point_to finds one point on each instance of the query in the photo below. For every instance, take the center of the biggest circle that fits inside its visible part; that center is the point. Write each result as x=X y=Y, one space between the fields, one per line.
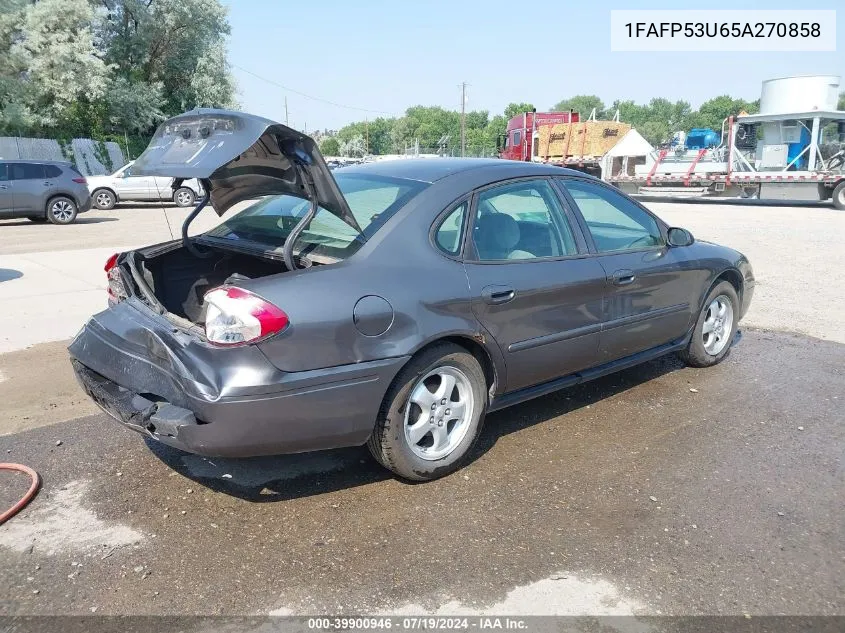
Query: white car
x=122 y=186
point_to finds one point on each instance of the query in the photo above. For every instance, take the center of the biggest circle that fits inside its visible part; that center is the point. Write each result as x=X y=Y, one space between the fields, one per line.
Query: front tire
x=104 y=199
x=184 y=197
x=61 y=210
x=431 y=415
x=715 y=328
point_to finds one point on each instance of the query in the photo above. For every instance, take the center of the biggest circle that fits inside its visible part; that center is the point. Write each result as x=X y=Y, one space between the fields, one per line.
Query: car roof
x=433 y=169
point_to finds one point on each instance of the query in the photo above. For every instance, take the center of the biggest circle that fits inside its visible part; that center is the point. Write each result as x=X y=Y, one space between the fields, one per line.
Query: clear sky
x=387 y=56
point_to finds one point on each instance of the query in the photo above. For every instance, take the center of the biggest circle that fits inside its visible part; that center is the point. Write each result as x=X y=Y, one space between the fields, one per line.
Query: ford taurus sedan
x=392 y=304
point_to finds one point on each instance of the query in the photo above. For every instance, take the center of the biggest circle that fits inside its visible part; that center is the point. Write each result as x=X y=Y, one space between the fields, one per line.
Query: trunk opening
x=176 y=281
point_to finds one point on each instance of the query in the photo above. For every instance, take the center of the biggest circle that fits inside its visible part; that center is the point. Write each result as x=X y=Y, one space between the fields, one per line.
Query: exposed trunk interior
x=179 y=280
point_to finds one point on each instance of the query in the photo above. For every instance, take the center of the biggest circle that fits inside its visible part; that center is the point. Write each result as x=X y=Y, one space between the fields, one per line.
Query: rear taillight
x=117 y=291
x=235 y=316
x=80 y=181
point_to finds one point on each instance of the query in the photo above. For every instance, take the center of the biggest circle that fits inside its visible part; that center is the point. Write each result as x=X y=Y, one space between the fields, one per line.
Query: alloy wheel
x=439 y=412
x=62 y=210
x=184 y=198
x=104 y=200
x=718 y=325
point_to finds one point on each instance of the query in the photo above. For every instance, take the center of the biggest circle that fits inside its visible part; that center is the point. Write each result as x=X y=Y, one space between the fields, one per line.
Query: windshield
x=267 y=222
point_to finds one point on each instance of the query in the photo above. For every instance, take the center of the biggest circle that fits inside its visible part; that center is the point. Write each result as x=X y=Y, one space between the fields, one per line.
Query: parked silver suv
x=42 y=191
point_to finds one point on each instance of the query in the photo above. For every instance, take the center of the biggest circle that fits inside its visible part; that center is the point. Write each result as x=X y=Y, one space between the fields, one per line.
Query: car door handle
x=623 y=277
x=497 y=294
x=4 y=186
x=47 y=184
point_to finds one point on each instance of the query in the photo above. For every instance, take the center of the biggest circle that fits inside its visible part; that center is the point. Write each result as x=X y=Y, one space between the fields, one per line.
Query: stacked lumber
x=582 y=139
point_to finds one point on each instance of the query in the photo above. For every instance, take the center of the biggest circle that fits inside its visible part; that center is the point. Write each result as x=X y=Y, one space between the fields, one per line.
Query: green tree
x=840 y=105
x=330 y=146
x=517 y=108
x=714 y=111
x=176 y=44
x=54 y=49
x=582 y=104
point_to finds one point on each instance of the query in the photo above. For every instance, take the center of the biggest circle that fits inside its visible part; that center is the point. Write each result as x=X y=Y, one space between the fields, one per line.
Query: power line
x=307 y=96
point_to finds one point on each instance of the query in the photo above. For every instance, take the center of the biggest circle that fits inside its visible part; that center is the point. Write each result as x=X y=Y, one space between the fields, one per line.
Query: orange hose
x=20 y=505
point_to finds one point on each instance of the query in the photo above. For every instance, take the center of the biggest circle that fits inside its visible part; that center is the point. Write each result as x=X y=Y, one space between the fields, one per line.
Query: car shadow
x=78 y=220
x=527 y=414
x=7 y=274
x=285 y=477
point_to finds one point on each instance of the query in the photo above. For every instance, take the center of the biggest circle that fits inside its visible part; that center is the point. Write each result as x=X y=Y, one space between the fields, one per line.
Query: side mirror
x=680 y=237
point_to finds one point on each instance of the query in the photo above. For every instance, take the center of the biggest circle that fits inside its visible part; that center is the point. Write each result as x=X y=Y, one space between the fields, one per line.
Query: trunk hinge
x=186 y=241
x=308 y=183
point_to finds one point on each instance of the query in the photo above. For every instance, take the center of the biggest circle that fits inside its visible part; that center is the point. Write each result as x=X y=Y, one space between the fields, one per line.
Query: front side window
x=4 y=171
x=267 y=222
x=615 y=223
x=521 y=220
x=449 y=235
x=27 y=171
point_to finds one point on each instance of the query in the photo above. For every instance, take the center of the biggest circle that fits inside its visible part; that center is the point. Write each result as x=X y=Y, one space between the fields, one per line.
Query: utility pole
x=286 y=111
x=463 y=118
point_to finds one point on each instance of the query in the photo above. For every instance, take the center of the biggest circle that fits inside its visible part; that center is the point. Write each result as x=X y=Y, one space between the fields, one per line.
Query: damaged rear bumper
x=171 y=387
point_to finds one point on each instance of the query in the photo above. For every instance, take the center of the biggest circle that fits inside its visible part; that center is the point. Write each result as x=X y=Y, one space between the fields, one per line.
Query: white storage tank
x=799 y=94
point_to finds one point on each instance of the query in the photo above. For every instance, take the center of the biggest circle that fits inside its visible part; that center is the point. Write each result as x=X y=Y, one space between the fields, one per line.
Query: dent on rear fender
x=145 y=353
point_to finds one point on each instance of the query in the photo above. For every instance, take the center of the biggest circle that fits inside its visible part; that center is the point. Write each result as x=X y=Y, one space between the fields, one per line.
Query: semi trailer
x=793 y=149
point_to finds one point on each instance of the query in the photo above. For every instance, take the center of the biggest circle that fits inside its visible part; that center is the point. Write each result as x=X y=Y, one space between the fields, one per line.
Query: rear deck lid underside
x=242 y=157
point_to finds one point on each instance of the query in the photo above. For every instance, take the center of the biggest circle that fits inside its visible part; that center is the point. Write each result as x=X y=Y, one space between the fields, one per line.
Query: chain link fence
x=92 y=158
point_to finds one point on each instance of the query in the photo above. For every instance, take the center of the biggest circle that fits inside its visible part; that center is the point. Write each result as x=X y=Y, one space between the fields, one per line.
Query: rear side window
x=51 y=171
x=450 y=233
x=27 y=171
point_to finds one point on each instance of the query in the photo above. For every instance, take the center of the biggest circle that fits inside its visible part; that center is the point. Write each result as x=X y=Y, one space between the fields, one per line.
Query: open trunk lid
x=241 y=156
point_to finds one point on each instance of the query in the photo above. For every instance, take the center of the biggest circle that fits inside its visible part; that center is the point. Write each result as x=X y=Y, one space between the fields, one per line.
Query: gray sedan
x=392 y=304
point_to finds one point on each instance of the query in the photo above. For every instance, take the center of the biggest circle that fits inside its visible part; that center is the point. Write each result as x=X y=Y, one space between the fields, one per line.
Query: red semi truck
x=559 y=138
x=518 y=142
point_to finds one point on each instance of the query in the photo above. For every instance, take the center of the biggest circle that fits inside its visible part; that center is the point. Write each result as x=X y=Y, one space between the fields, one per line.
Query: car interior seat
x=496 y=237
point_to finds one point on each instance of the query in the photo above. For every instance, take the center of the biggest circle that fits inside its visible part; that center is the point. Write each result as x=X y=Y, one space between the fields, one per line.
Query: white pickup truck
x=122 y=186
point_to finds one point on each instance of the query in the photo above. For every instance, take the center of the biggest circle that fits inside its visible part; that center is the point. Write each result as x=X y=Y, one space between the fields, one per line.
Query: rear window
x=266 y=222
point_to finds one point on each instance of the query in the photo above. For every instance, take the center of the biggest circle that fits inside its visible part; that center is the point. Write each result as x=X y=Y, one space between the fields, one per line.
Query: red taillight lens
x=111 y=262
x=80 y=181
x=235 y=316
x=117 y=291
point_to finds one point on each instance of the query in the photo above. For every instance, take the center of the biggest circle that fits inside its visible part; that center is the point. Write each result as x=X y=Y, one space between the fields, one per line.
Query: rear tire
x=419 y=434
x=61 y=210
x=184 y=197
x=38 y=219
x=104 y=199
x=839 y=196
x=714 y=329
